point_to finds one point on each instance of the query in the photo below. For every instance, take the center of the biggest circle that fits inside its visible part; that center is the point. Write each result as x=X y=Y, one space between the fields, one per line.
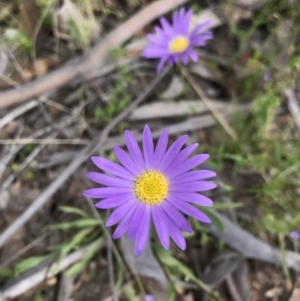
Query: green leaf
x=228 y=205
x=29 y=263
x=38 y=297
x=79 y=266
x=130 y=293
x=74 y=210
x=171 y=292
x=80 y=223
x=120 y=276
x=166 y=258
x=78 y=239
x=215 y=220
x=6 y=273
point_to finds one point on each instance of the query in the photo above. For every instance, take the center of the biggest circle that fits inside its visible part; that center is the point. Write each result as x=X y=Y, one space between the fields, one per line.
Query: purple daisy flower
x=154 y=186
x=176 y=42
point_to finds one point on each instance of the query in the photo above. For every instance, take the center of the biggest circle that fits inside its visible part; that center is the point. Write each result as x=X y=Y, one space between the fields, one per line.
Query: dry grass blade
x=209 y=104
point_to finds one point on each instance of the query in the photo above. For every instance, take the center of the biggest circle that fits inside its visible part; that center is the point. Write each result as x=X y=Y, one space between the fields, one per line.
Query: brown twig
x=76 y=163
x=93 y=59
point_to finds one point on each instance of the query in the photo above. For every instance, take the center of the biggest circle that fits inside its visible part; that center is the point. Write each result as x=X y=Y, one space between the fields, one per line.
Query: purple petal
x=161 y=64
x=126 y=161
x=120 y=212
x=154 y=52
x=125 y=222
x=159 y=219
x=187 y=21
x=181 y=15
x=166 y=26
x=192 y=176
x=161 y=147
x=171 y=60
x=177 y=217
x=113 y=202
x=181 y=157
x=134 y=151
x=176 y=57
x=172 y=153
x=192 y=187
x=99 y=193
x=175 y=20
x=148 y=147
x=193 y=55
x=176 y=234
x=200 y=28
x=142 y=235
x=112 y=168
x=184 y=58
x=201 y=40
x=156 y=39
x=189 y=164
x=103 y=179
x=195 y=198
x=137 y=218
x=189 y=210
x=159 y=31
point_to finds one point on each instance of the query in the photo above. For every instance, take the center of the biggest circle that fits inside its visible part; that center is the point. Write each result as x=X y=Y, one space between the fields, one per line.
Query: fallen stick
x=94 y=58
x=90 y=149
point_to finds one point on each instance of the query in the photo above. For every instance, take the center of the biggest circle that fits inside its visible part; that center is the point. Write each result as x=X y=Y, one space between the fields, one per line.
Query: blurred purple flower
x=149 y=298
x=267 y=77
x=176 y=42
x=155 y=185
x=295 y=235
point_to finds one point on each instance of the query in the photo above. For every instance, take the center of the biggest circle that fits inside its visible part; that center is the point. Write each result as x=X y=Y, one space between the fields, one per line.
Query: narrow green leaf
x=74 y=210
x=79 y=266
x=29 y=263
x=168 y=260
x=80 y=223
x=6 y=273
x=215 y=220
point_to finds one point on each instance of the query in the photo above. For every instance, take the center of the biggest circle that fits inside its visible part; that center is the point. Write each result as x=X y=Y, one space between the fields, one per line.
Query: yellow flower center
x=179 y=45
x=151 y=187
